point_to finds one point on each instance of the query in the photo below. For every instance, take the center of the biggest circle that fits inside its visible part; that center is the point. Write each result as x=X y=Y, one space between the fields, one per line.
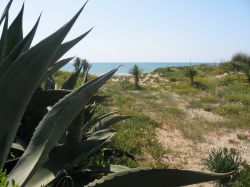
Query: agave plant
x=43 y=131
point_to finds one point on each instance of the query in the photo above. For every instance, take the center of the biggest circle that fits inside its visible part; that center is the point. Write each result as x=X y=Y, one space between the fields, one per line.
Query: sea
x=104 y=67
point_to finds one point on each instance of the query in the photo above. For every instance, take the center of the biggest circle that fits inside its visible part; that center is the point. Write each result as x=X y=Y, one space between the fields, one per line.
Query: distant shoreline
x=147 y=67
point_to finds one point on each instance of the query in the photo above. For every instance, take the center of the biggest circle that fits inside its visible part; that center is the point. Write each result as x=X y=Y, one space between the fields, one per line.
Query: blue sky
x=146 y=30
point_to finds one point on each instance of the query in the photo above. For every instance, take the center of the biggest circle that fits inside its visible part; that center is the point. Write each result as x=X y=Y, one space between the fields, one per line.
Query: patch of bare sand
x=196 y=113
x=185 y=154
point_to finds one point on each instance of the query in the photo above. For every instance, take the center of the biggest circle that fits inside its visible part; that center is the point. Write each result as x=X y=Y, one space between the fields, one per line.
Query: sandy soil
x=184 y=153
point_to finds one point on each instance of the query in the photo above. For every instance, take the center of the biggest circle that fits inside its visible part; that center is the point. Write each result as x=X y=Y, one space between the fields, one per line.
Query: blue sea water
x=101 y=68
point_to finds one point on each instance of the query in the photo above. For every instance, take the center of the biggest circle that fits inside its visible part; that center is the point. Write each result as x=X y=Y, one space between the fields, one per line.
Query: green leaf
x=41 y=100
x=5 y=12
x=62 y=158
x=97 y=119
x=58 y=65
x=155 y=178
x=102 y=134
x=49 y=84
x=15 y=32
x=3 y=40
x=70 y=83
x=33 y=64
x=106 y=123
x=18 y=50
x=68 y=45
x=47 y=134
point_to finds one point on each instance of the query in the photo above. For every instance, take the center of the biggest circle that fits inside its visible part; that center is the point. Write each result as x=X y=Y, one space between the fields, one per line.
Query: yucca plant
x=136 y=72
x=46 y=132
x=191 y=73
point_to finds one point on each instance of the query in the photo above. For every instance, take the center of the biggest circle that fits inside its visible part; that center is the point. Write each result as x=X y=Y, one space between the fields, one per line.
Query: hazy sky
x=146 y=30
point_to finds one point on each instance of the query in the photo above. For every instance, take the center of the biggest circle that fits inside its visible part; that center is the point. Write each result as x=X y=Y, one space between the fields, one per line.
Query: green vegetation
x=57 y=137
x=191 y=73
x=136 y=73
x=226 y=160
x=4 y=182
x=241 y=62
x=243 y=177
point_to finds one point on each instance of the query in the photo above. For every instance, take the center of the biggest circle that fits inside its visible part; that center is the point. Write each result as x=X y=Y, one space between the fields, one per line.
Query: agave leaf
x=6 y=10
x=85 y=78
x=33 y=64
x=21 y=47
x=49 y=83
x=109 y=169
x=75 y=133
x=68 y=45
x=97 y=119
x=105 y=124
x=47 y=134
x=70 y=83
x=155 y=177
x=58 y=65
x=41 y=100
x=62 y=158
x=4 y=38
x=15 y=32
x=102 y=134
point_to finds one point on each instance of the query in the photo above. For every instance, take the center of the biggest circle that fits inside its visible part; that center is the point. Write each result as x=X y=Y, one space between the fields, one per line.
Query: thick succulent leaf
x=58 y=65
x=62 y=158
x=108 y=169
x=33 y=64
x=17 y=51
x=5 y=144
x=52 y=127
x=5 y=12
x=86 y=73
x=65 y=47
x=102 y=134
x=25 y=73
x=3 y=40
x=93 y=121
x=155 y=178
x=70 y=83
x=15 y=32
x=75 y=133
x=41 y=100
x=49 y=84
x=106 y=123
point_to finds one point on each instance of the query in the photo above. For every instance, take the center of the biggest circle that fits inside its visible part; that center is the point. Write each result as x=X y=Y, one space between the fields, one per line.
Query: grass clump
x=224 y=160
x=230 y=109
x=175 y=111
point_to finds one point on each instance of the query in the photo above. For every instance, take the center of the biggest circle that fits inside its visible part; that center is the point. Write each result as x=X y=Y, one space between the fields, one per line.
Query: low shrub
x=243 y=178
x=209 y=99
x=199 y=85
x=224 y=160
x=230 y=109
x=243 y=98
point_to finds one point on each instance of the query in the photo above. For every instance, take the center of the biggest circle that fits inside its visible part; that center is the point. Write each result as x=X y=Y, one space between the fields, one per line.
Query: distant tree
x=191 y=73
x=242 y=61
x=136 y=73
